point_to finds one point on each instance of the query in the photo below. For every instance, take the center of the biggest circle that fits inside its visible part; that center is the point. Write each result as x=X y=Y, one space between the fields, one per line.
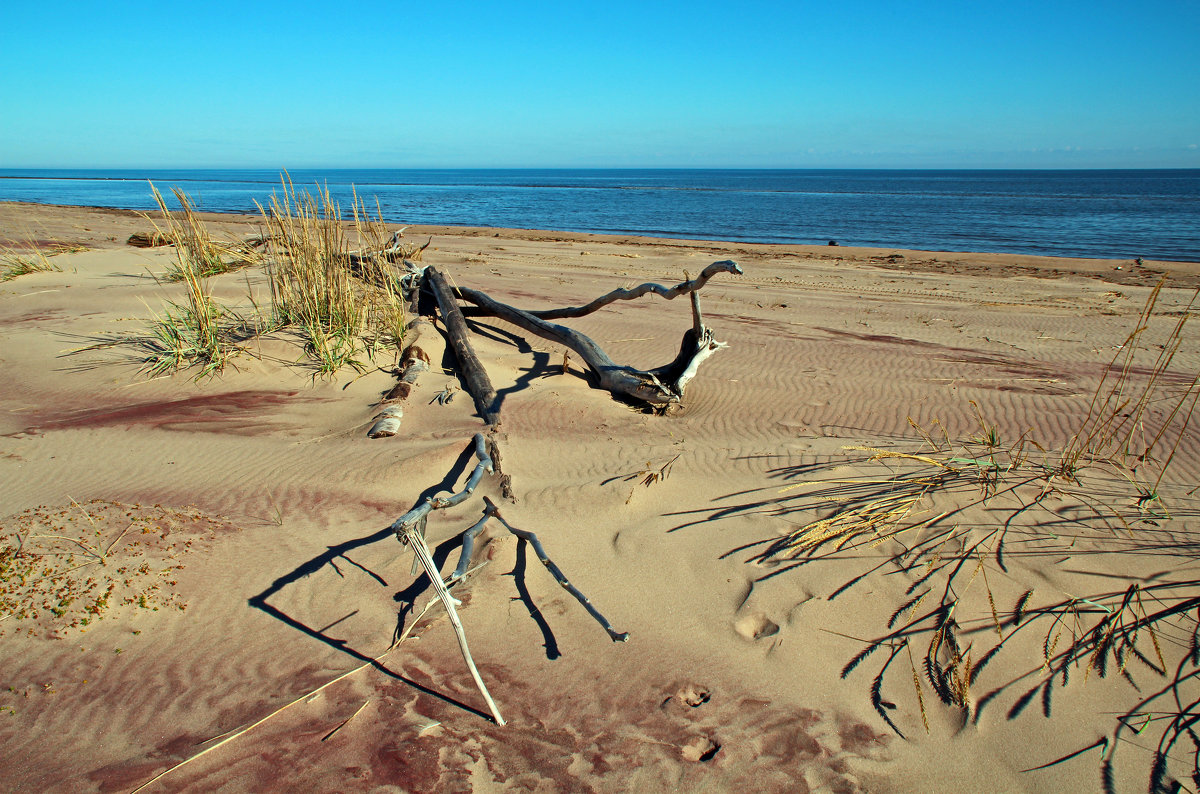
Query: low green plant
x=64 y=568
x=197 y=332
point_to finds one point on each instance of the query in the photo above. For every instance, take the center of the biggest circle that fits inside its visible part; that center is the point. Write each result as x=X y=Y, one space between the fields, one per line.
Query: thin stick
x=532 y=540
x=414 y=539
x=254 y=725
x=343 y=723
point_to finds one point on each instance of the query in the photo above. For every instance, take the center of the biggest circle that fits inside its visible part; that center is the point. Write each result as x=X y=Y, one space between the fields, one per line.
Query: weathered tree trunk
x=474 y=375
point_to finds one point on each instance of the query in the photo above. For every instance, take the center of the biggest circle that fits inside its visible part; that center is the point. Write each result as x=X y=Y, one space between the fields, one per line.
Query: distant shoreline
x=977 y=263
x=1084 y=213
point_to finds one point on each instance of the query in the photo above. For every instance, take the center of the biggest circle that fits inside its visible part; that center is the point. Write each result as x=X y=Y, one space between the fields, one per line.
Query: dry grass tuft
x=198 y=255
x=29 y=259
x=344 y=303
x=347 y=304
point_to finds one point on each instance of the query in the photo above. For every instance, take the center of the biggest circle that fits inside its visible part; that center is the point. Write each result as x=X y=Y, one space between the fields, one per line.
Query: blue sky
x=699 y=84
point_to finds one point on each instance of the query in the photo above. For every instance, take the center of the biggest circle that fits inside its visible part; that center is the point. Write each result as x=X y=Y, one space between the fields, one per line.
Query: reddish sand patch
x=236 y=412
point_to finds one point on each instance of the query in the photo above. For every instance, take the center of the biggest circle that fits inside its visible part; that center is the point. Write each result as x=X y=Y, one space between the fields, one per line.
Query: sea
x=1111 y=214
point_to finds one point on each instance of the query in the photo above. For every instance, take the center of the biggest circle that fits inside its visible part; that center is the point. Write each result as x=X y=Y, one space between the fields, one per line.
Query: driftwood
x=394 y=251
x=422 y=551
x=418 y=514
x=474 y=375
x=662 y=386
x=413 y=362
x=387 y=423
x=148 y=240
x=492 y=511
x=410 y=530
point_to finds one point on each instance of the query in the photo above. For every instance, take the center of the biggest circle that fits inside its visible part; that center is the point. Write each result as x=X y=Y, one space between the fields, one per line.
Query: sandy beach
x=247 y=515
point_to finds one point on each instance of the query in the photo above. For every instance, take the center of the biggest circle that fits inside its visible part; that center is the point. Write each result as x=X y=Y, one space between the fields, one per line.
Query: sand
x=262 y=485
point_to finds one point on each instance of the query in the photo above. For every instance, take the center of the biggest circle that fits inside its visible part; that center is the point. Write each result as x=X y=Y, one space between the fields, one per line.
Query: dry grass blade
x=917 y=686
x=198 y=255
x=651 y=475
x=1100 y=493
x=32 y=256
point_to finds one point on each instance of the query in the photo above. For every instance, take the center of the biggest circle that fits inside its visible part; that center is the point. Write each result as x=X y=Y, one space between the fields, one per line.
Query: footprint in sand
x=686 y=698
x=755 y=626
x=693 y=695
x=700 y=748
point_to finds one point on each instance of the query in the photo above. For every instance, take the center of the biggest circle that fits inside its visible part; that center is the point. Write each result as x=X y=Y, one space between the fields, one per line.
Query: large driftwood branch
x=691 y=286
x=419 y=513
x=662 y=386
x=474 y=375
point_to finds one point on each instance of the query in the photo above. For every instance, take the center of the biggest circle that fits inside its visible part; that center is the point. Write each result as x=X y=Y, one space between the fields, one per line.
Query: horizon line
x=583 y=168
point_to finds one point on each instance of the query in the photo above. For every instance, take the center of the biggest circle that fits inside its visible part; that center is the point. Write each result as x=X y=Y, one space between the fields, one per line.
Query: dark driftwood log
x=475 y=377
x=662 y=386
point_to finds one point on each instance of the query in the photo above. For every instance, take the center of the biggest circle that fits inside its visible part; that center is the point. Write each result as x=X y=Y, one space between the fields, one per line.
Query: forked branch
x=658 y=387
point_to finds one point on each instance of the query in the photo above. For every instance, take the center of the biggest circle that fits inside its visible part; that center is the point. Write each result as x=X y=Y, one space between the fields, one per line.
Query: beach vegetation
x=64 y=568
x=197 y=253
x=29 y=259
x=194 y=332
x=347 y=303
x=959 y=521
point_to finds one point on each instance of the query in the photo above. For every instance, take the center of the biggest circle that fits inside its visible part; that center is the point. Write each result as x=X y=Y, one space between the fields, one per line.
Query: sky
x=800 y=84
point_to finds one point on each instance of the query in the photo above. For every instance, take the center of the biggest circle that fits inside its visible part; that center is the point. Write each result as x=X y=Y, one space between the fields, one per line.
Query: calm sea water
x=1111 y=214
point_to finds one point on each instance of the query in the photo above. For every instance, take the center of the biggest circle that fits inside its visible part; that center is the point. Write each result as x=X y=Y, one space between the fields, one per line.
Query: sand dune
x=733 y=676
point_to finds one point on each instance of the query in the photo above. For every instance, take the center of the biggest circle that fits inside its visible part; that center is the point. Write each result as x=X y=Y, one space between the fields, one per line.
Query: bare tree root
x=474 y=375
x=492 y=511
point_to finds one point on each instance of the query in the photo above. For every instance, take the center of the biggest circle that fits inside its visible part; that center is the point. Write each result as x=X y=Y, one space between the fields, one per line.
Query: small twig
x=78 y=543
x=450 y=583
x=118 y=540
x=254 y=725
x=85 y=513
x=343 y=722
